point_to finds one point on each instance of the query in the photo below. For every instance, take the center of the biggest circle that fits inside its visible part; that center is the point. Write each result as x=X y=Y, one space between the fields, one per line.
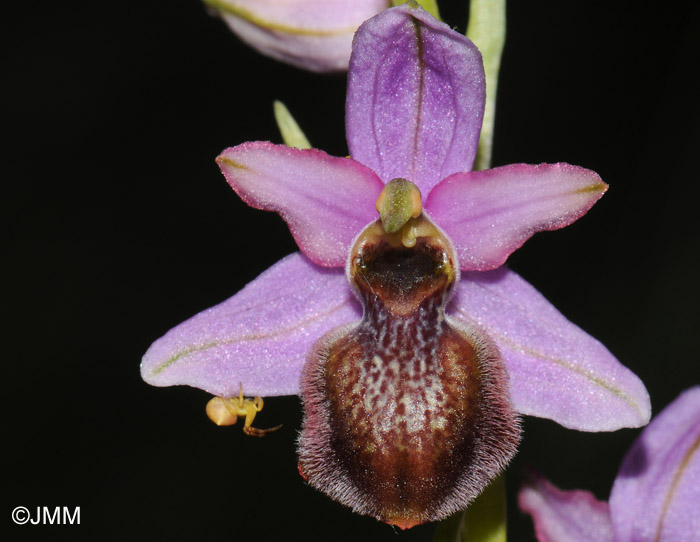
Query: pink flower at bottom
x=655 y=496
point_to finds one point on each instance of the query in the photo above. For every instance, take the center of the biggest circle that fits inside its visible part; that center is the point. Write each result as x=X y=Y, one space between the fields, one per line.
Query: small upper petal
x=557 y=370
x=657 y=491
x=415 y=98
x=564 y=516
x=326 y=201
x=311 y=34
x=489 y=214
x=259 y=338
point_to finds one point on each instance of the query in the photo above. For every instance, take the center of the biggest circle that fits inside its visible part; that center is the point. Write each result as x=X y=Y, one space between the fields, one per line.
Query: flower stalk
x=487 y=29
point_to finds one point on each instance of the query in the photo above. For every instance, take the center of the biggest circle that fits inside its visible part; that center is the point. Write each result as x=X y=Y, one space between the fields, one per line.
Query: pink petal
x=488 y=214
x=326 y=201
x=415 y=97
x=311 y=34
x=565 y=516
x=259 y=337
x=557 y=371
x=656 y=495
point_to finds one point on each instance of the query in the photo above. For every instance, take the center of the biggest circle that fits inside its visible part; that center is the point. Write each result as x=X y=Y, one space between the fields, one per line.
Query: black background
x=120 y=226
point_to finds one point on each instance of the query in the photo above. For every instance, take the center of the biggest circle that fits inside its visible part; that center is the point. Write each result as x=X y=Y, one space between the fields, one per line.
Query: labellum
x=407 y=415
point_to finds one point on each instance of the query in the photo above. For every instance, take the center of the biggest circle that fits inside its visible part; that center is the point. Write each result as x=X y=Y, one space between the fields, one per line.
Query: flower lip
x=406 y=413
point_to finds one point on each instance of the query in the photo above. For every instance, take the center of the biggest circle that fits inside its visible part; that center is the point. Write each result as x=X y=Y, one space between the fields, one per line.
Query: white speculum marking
x=401 y=387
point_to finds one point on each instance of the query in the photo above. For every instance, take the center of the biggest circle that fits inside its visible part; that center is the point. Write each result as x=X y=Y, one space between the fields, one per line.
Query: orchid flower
x=312 y=34
x=411 y=374
x=655 y=496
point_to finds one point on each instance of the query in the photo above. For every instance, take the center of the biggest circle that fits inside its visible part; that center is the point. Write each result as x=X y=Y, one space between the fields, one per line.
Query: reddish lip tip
x=301 y=473
x=404 y=524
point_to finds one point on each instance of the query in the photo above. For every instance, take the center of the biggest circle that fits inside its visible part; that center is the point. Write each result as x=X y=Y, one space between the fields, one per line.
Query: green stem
x=487 y=29
x=483 y=521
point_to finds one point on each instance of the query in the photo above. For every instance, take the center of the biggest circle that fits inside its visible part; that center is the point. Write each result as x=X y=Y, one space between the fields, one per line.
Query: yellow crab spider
x=225 y=411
